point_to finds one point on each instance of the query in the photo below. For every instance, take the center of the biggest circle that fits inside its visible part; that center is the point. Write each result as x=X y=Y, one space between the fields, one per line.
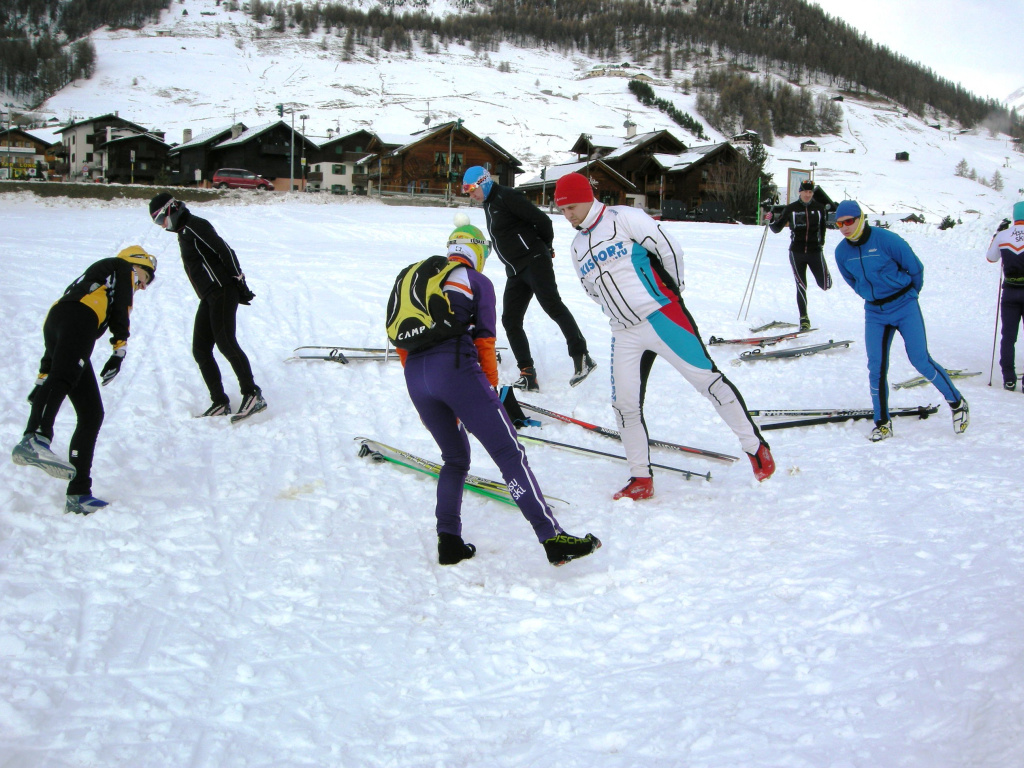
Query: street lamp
x=814 y=165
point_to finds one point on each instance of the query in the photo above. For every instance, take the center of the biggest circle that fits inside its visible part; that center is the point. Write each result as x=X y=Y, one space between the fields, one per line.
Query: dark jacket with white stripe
x=209 y=262
x=519 y=230
x=807 y=222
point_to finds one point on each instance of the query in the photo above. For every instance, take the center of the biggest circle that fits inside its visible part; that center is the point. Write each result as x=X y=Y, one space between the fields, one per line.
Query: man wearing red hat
x=634 y=270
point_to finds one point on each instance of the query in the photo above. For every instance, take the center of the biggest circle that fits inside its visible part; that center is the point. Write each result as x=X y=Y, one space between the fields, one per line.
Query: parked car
x=237 y=178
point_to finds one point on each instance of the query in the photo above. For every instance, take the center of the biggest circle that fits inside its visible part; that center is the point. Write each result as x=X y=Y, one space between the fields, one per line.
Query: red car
x=237 y=178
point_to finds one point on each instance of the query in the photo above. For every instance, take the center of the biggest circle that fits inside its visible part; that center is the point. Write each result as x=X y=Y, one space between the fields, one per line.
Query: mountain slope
x=204 y=66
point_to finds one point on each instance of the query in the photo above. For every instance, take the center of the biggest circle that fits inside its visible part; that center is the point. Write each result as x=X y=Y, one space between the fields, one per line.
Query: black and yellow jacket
x=106 y=287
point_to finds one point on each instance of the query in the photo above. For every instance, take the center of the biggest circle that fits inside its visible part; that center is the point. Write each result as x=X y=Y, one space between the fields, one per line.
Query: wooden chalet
x=629 y=157
x=699 y=176
x=274 y=151
x=135 y=159
x=191 y=162
x=610 y=186
x=27 y=154
x=432 y=161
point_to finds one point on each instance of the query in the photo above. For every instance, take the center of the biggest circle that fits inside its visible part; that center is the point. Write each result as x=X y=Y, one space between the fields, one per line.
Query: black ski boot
x=562 y=547
x=451 y=549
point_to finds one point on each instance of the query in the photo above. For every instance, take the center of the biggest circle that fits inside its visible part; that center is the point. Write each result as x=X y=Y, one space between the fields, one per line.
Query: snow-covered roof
x=689 y=157
x=204 y=137
x=246 y=135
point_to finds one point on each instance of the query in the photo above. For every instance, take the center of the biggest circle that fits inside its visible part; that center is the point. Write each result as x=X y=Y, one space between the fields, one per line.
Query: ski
x=379 y=350
x=591 y=452
x=812 y=349
x=335 y=355
x=346 y=355
x=773 y=324
x=917 y=381
x=604 y=431
x=492 y=489
x=761 y=341
x=922 y=412
x=854 y=412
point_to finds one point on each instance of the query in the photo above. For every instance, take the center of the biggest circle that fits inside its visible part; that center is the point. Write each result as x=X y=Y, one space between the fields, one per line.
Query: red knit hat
x=573 y=188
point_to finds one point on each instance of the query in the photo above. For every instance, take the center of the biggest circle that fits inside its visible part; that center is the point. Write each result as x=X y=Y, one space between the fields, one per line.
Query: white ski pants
x=668 y=334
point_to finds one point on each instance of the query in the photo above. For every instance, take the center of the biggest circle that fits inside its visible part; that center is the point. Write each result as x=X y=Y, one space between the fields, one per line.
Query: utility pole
x=302 y=161
x=291 y=157
x=10 y=116
x=451 y=134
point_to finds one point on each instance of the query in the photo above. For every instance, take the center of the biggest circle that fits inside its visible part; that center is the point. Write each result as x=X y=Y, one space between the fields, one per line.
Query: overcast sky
x=970 y=42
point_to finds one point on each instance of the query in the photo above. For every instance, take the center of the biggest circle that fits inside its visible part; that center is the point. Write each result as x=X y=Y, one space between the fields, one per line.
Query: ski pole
x=752 y=280
x=995 y=332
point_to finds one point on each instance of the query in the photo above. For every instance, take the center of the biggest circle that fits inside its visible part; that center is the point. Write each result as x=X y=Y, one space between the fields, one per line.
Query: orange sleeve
x=402 y=355
x=489 y=363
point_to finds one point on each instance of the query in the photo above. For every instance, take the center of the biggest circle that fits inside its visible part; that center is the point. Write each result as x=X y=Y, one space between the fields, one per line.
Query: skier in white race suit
x=633 y=269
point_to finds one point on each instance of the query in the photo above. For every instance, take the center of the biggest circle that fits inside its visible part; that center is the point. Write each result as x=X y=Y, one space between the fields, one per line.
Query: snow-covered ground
x=258 y=595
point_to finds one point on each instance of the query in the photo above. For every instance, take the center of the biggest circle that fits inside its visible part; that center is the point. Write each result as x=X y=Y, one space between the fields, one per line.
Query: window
x=338 y=169
x=358 y=169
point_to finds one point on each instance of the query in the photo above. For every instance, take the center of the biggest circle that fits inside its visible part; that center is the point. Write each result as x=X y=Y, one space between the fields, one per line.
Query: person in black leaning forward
x=806 y=219
x=99 y=299
x=213 y=269
x=521 y=236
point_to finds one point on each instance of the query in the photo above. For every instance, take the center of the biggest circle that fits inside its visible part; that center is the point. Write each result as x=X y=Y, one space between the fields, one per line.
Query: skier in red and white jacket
x=633 y=269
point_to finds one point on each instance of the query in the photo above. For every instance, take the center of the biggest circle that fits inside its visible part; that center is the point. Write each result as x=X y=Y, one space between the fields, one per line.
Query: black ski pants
x=800 y=260
x=69 y=335
x=537 y=279
x=215 y=326
x=1011 y=310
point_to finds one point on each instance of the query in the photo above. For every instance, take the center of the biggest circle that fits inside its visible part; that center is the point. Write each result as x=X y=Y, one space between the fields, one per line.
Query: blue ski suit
x=884 y=271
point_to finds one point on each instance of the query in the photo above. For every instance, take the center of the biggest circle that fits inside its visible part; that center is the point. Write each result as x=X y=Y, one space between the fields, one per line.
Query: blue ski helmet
x=1018 y=211
x=477 y=176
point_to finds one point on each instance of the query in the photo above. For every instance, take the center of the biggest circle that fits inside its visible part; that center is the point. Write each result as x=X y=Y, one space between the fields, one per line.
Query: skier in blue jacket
x=452 y=384
x=884 y=271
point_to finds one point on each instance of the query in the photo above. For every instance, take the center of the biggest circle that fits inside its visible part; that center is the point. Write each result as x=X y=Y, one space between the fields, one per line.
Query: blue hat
x=1018 y=211
x=477 y=176
x=848 y=208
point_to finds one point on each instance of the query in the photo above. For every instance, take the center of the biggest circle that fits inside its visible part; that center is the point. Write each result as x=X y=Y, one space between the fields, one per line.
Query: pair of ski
x=809 y=417
x=917 y=381
x=812 y=349
x=492 y=489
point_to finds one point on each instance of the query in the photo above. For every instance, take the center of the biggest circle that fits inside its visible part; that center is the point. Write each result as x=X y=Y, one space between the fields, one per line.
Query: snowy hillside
x=258 y=595
x=212 y=66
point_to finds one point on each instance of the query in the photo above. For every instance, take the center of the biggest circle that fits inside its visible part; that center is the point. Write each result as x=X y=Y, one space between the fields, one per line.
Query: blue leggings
x=880 y=325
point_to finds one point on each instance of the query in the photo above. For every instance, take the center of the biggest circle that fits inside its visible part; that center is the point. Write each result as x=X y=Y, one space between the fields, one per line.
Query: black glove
x=40 y=380
x=245 y=296
x=1004 y=224
x=113 y=366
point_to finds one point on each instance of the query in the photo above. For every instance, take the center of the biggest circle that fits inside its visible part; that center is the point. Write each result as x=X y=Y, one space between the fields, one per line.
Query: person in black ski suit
x=100 y=298
x=521 y=235
x=217 y=278
x=806 y=219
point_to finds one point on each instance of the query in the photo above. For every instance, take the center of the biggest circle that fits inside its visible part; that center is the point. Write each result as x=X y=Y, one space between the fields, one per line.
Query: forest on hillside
x=746 y=38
